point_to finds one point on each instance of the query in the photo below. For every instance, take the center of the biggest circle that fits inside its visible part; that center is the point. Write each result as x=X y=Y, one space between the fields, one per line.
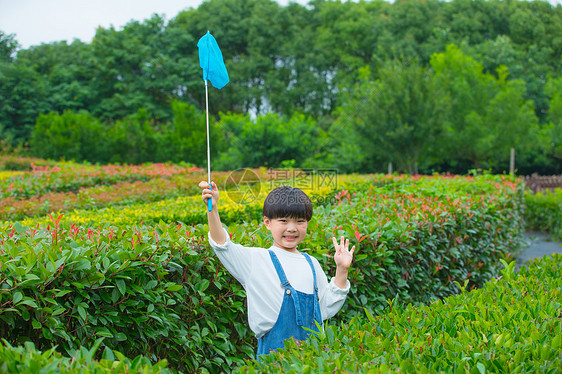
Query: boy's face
x=287 y=232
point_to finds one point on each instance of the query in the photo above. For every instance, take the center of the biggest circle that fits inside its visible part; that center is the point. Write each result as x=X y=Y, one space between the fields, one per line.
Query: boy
x=286 y=289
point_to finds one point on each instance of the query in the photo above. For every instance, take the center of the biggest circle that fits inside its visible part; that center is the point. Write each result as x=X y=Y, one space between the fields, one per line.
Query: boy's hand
x=208 y=193
x=343 y=255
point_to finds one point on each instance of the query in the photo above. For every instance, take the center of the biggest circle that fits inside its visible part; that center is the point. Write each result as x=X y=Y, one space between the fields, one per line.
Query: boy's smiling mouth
x=291 y=237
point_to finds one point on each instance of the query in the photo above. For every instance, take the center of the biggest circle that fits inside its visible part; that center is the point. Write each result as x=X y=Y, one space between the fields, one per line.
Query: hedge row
x=71 y=177
x=88 y=188
x=237 y=204
x=17 y=163
x=512 y=325
x=27 y=359
x=544 y=212
x=418 y=237
x=158 y=290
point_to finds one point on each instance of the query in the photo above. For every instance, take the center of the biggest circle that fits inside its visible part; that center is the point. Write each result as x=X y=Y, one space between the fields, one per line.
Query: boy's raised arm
x=215 y=226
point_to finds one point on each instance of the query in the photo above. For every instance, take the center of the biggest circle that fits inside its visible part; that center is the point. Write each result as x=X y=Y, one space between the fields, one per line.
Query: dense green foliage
x=512 y=325
x=151 y=285
x=466 y=81
x=543 y=212
x=134 y=139
x=26 y=359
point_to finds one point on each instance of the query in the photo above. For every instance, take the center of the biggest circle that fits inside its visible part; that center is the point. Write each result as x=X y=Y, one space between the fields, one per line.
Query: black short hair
x=288 y=202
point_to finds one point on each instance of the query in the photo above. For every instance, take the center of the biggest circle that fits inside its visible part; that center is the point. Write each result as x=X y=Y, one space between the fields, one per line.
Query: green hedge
x=134 y=139
x=155 y=291
x=158 y=290
x=544 y=212
x=512 y=325
x=418 y=237
x=27 y=359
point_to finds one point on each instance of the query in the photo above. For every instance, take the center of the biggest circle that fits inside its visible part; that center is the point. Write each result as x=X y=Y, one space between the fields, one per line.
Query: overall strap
x=289 y=290
x=279 y=269
x=313 y=273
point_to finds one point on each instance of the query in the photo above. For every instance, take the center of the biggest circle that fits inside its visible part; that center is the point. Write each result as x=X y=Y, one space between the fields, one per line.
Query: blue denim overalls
x=297 y=311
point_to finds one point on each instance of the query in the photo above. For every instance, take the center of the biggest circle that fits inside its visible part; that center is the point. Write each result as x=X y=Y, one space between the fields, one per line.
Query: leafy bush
x=184 y=139
x=155 y=291
x=27 y=359
x=155 y=288
x=20 y=163
x=512 y=325
x=134 y=139
x=415 y=236
x=130 y=140
x=268 y=140
x=543 y=212
x=73 y=136
x=71 y=177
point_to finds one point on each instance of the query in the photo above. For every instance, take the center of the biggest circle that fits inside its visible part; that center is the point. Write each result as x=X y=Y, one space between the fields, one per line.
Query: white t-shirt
x=253 y=268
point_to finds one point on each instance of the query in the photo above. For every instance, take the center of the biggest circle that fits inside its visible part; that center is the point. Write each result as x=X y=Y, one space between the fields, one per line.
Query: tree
x=553 y=132
x=488 y=116
x=533 y=67
x=400 y=114
x=184 y=138
x=8 y=47
x=68 y=135
x=139 y=67
x=22 y=99
x=268 y=141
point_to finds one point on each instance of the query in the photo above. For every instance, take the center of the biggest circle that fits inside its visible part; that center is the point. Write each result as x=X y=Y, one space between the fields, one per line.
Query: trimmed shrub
x=417 y=237
x=73 y=136
x=544 y=212
x=27 y=359
x=157 y=289
x=512 y=325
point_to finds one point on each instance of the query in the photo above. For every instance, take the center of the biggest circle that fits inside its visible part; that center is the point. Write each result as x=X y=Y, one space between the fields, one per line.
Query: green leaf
x=30 y=302
x=174 y=287
x=19 y=228
x=77 y=285
x=369 y=315
x=151 y=284
x=121 y=286
x=481 y=368
x=58 y=311
x=17 y=297
x=115 y=295
x=104 y=333
x=82 y=312
x=108 y=354
x=83 y=264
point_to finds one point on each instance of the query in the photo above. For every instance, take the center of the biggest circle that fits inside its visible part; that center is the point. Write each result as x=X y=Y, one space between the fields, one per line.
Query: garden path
x=540 y=244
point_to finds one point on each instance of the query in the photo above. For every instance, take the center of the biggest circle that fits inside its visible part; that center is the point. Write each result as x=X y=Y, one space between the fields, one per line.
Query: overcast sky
x=44 y=21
